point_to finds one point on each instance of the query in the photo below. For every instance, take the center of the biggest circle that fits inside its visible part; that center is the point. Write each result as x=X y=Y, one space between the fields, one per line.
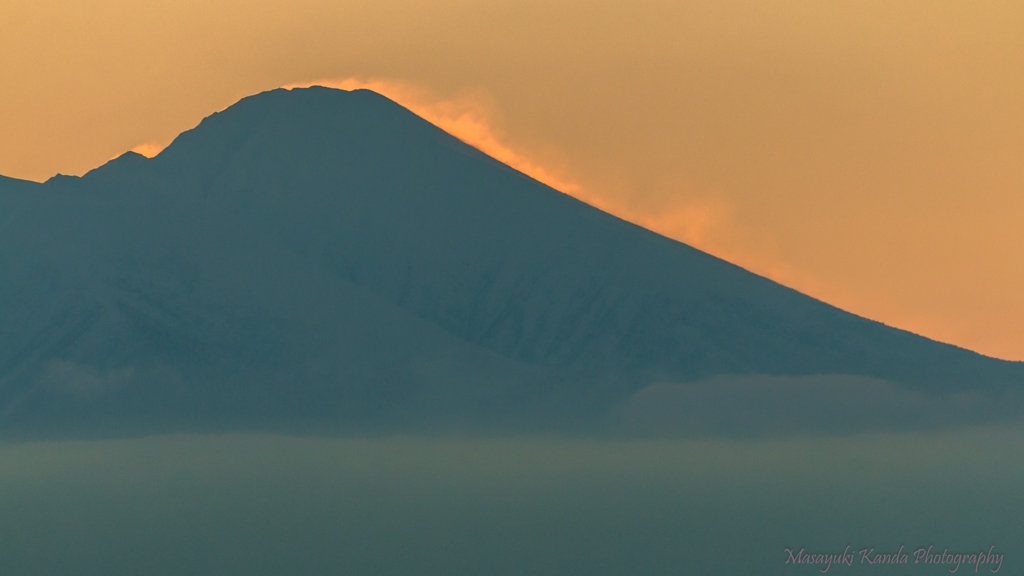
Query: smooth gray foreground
x=252 y=505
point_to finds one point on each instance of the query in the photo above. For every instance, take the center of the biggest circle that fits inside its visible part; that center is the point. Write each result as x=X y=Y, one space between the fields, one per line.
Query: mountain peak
x=298 y=127
x=328 y=256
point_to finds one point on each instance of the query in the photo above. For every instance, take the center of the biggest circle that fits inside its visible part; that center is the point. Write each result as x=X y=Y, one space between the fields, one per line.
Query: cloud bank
x=759 y=405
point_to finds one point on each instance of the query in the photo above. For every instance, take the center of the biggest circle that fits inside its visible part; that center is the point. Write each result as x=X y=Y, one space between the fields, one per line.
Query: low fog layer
x=731 y=405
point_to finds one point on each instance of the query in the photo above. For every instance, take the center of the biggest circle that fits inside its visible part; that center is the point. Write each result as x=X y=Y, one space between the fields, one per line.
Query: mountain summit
x=316 y=258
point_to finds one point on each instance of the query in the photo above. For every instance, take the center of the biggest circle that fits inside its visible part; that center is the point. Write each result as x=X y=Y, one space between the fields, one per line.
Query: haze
x=250 y=504
x=866 y=153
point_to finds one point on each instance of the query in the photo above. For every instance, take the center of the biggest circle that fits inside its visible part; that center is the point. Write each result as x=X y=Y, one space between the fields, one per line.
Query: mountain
x=317 y=259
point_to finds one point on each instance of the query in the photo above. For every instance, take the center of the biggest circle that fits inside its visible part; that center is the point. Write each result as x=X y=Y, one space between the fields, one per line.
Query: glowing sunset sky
x=868 y=153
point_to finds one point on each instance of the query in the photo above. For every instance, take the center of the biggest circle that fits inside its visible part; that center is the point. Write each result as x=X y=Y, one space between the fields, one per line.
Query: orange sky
x=869 y=153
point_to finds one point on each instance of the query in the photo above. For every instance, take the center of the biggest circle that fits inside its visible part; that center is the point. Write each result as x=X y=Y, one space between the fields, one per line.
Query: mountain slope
x=323 y=256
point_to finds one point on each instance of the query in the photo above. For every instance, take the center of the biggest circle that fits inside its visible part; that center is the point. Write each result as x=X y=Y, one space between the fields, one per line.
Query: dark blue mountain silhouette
x=320 y=259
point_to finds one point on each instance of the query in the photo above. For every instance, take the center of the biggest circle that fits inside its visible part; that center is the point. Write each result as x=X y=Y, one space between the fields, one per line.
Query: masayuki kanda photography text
x=924 y=556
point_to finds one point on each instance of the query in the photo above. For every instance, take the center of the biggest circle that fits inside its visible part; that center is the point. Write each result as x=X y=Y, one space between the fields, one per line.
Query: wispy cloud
x=149 y=149
x=706 y=222
x=66 y=377
x=464 y=117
